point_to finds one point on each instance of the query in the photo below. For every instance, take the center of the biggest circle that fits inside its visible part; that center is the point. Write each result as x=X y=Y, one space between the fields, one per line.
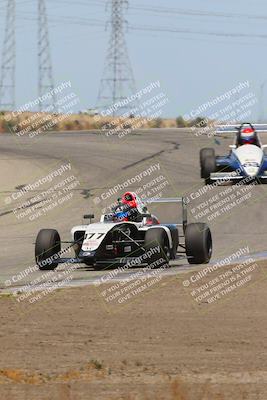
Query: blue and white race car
x=246 y=161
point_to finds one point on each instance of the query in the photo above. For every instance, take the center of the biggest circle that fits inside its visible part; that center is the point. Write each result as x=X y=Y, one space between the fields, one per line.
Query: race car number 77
x=91 y=235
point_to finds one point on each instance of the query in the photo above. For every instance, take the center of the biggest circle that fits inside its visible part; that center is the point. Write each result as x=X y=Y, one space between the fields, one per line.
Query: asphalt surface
x=154 y=162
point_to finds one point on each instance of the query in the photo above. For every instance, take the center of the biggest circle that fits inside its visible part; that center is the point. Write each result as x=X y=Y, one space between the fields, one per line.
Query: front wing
x=230 y=169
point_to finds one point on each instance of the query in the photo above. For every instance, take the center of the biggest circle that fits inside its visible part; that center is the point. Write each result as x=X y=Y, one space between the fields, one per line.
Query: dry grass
x=76 y=122
x=179 y=390
x=92 y=370
x=175 y=389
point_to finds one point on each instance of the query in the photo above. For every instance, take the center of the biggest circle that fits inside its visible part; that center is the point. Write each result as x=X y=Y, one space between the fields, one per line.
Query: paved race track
x=156 y=162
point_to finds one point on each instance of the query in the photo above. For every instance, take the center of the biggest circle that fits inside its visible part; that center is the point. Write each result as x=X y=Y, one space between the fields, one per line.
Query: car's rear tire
x=198 y=243
x=47 y=247
x=155 y=237
x=209 y=166
x=203 y=154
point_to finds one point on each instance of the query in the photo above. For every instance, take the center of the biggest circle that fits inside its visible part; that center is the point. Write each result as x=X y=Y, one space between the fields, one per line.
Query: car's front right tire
x=47 y=247
x=203 y=154
x=209 y=166
x=157 y=243
x=198 y=243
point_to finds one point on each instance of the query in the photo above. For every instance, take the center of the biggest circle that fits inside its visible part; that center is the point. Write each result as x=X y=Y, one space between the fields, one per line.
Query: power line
x=191 y=32
x=194 y=13
x=97 y=22
x=46 y=82
x=153 y=10
x=70 y=20
x=118 y=80
x=92 y=22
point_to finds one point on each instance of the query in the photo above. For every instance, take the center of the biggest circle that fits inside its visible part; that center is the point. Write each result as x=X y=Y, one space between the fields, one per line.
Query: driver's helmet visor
x=120 y=216
x=121 y=213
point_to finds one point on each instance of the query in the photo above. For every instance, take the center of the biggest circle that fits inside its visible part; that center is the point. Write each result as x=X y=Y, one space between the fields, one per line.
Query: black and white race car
x=128 y=233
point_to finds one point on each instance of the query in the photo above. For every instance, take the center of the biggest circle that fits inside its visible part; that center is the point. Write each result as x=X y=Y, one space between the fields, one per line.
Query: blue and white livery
x=246 y=160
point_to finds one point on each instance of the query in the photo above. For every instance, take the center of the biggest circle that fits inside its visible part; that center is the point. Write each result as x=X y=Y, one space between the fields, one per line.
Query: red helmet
x=248 y=136
x=130 y=199
x=127 y=208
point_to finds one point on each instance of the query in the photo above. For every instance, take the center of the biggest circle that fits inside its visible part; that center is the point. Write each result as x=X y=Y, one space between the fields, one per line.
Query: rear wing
x=227 y=128
x=178 y=200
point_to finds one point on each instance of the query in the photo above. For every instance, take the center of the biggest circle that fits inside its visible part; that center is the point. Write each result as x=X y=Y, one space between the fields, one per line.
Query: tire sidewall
x=47 y=245
x=158 y=237
x=198 y=243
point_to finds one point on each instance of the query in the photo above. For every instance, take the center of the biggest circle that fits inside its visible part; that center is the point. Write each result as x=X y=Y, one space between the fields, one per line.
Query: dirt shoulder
x=162 y=345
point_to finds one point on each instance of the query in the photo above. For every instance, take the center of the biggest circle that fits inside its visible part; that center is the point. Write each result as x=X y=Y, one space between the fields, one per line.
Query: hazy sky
x=192 y=67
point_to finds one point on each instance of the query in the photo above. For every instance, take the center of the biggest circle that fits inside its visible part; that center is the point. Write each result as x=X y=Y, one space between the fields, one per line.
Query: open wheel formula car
x=245 y=161
x=115 y=242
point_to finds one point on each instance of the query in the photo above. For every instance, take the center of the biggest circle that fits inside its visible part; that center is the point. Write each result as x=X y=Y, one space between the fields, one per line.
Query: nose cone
x=251 y=170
